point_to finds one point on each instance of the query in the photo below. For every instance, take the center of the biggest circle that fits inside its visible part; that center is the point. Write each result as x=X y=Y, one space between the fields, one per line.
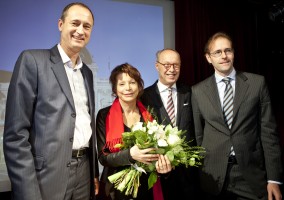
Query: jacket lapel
x=164 y=117
x=180 y=102
x=89 y=86
x=60 y=74
x=212 y=93
x=241 y=88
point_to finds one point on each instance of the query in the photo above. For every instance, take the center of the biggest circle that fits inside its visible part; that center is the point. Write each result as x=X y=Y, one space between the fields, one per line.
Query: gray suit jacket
x=39 y=126
x=181 y=182
x=253 y=133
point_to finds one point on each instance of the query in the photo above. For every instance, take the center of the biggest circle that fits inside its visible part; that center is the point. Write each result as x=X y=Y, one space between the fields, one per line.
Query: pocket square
x=185 y=104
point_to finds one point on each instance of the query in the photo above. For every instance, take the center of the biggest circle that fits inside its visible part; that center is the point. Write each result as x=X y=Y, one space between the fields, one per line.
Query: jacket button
x=73 y=115
x=71 y=139
x=68 y=164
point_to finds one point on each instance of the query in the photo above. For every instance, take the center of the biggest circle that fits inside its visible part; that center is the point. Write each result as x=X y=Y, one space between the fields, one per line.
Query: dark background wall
x=258 y=40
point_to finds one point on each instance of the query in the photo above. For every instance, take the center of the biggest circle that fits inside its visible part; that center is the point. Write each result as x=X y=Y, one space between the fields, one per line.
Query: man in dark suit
x=181 y=182
x=243 y=156
x=49 y=133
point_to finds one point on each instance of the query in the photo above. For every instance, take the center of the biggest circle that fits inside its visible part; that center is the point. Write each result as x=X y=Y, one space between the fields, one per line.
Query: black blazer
x=181 y=183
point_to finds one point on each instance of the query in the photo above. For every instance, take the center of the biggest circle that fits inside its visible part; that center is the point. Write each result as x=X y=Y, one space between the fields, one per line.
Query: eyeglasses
x=167 y=66
x=218 y=53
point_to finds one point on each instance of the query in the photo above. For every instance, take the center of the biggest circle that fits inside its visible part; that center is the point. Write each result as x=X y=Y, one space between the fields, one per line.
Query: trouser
x=235 y=186
x=78 y=187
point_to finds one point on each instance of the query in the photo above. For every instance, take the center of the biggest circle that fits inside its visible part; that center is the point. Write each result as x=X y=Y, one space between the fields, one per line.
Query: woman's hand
x=163 y=165
x=97 y=185
x=143 y=155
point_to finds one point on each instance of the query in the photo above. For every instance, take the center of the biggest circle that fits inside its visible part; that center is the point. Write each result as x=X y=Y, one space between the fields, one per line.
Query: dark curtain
x=258 y=42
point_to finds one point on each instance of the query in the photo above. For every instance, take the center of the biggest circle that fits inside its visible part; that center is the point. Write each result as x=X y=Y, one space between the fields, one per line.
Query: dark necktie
x=228 y=103
x=170 y=107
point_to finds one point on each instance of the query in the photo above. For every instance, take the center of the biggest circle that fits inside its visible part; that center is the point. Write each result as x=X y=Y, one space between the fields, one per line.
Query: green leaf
x=170 y=156
x=151 y=167
x=140 y=135
x=160 y=151
x=128 y=139
x=152 y=179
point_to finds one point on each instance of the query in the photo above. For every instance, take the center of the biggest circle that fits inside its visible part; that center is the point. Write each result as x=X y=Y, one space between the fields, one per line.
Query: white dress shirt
x=164 y=92
x=83 y=130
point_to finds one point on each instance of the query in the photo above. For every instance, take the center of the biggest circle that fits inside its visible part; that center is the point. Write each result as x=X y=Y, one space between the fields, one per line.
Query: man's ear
x=156 y=65
x=60 y=23
x=208 y=58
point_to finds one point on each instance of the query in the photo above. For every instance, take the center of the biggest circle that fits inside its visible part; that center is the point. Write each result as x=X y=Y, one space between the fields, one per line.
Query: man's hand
x=274 y=192
x=97 y=185
x=163 y=165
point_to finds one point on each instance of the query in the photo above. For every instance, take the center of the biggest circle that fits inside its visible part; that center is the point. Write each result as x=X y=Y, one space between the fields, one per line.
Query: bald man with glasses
x=180 y=183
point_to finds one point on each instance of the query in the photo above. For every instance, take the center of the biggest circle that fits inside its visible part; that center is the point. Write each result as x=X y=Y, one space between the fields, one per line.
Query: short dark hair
x=131 y=71
x=66 y=8
x=215 y=37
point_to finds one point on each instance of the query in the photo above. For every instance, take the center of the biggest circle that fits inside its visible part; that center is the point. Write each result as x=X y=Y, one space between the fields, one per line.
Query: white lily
x=138 y=126
x=173 y=139
x=162 y=143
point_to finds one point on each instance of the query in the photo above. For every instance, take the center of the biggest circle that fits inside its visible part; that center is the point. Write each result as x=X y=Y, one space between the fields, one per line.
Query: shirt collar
x=163 y=87
x=232 y=76
x=66 y=60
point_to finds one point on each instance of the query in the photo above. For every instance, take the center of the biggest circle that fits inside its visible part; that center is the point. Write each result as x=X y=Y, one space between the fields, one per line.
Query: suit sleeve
x=197 y=118
x=270 y=137
x=22 y=95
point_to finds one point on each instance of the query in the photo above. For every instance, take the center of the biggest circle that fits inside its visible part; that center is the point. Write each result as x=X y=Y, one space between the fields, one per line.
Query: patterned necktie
x=228 y=103
x=171 y=108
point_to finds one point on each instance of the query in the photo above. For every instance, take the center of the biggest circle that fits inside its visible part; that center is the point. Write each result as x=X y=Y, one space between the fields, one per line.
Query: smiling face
x=222 y=64
x=168 y=76
x=127 y=88
x=75 y=29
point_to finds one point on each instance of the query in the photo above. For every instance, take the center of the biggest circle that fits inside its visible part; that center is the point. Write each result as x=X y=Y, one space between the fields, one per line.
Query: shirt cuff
x=279 y=183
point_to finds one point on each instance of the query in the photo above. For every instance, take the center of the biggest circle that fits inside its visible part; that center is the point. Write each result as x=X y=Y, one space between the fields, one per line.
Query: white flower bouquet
x=167 y=140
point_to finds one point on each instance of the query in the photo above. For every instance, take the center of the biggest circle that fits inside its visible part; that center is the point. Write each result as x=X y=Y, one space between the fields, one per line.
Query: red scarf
x=114 y=124
x=114 y=130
